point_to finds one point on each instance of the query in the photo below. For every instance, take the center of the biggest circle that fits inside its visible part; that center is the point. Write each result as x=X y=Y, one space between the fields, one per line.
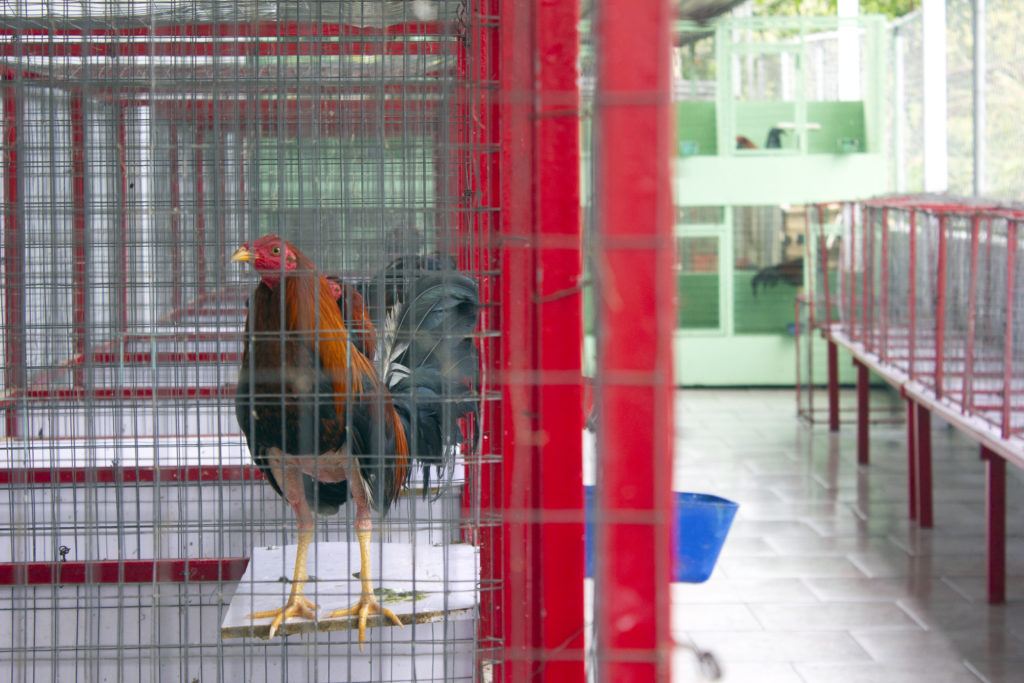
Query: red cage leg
x=833 y=386
x=995 y=530
x=634 y=246
x=924 y=467
x=863 y=413
x=912 y=458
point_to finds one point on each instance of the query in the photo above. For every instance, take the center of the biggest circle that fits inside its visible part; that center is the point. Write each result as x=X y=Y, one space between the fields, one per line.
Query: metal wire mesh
x=1004 y=142
x=143 y=143
x=931 y=290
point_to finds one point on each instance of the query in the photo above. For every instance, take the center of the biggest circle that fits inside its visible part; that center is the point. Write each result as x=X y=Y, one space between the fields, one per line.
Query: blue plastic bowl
x=702 y=522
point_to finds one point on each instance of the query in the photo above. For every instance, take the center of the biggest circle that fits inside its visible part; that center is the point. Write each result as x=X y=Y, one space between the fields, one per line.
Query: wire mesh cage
x=929 y=288
x=143 y=145
x=291 y=308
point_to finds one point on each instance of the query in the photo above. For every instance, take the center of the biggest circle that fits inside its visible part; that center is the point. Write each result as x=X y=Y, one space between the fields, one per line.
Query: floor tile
x=823 y=577
x=780 y=646
x=836 y=616
x=920 y=672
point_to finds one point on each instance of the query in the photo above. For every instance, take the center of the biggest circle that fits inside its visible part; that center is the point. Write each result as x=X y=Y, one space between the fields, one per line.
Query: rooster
x=324 y=422
x=791 y=272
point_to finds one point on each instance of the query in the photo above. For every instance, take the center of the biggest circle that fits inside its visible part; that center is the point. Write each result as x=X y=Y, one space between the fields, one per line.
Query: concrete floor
x=823 y=579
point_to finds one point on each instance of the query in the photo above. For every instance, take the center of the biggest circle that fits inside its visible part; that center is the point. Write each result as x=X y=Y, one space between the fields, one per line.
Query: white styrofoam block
x=419 y=583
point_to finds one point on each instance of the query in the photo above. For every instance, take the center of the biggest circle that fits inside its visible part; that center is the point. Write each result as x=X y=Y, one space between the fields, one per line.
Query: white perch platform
x=442 y=589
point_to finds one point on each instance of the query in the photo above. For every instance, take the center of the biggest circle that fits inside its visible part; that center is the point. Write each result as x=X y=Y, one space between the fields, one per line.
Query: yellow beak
x=241 y=254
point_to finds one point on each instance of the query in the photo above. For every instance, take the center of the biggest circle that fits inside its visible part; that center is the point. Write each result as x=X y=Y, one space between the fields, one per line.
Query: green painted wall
x=695 y=122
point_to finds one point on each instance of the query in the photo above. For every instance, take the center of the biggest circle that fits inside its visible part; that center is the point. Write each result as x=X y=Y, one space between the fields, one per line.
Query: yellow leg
x=367 y=604
x=297 y=605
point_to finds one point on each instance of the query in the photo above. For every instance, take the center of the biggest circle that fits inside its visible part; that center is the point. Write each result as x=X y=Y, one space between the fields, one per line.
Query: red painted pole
x=883 y=276
x=863 y=413
x=13 y=239
x=995 y=528
x=519 y=420
x=972 y=306
x=912 y=458
x=559 y=301
x=1008 y=344
x=484 y=142
x=845 y=273
x=912 y=296
x=78 y=249
x=940 y=310
x=542 y=326
x=122 y=200
x=870 y=330
x=833 y=386
x=853 y=276
x=177 y=247
x=924 y=467
x=634 y=253
x=200 y=210
x=823 y=258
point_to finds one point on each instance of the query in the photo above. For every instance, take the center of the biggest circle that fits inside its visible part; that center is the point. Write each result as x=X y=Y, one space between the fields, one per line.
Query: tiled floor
x=823 y=579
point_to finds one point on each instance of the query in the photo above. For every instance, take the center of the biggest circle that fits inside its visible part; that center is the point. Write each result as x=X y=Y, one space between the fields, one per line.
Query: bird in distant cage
x=331 y=412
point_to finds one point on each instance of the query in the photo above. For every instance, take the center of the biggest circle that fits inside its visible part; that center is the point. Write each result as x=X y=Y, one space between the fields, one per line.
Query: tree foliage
x=890 y=8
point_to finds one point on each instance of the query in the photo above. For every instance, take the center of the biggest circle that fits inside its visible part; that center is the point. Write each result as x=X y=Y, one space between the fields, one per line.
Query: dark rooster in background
x=324 y=422
x=791 y=272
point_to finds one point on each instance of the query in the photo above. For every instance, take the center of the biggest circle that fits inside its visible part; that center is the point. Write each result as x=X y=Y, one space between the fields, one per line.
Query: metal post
x=934 y=105
x=912 y=296
x=78 y=269
x=980 y=115
x=556 y=194
x=863 y=413
x=883 y=278
x=14 y=255
x=635 y=256
x=541 y=267
x=995 y=527
x=899 y=100
x=912 y=458
x=972 y=309
x=1008 y=343
x=833 y=386
x=924 y=466
x=940 y=310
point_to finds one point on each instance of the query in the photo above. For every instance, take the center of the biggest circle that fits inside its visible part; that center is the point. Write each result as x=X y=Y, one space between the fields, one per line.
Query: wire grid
x=931 y=289
x=1004 y=142
x=143 y=145
x=767 y=241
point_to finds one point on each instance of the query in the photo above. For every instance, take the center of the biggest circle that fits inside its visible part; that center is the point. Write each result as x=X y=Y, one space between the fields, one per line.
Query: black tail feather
x=433 y=366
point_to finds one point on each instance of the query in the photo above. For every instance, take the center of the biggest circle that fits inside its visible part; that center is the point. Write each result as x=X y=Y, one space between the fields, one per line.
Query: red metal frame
x=912 y=458
x=995 y=528
x=942 y=378
x=1011 y=285
x=542 y=485
x=863 y=413
x=634 y=257
x=923 y=465
x=111 y=475
x=14 y=340
x=122 y=571
x=940 y=309
x=78 y=249
x=525 y=138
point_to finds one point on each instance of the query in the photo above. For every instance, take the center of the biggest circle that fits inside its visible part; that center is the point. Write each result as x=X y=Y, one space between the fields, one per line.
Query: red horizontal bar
x=221 y=49
x=184 y=337
x=126 y=571
x=146 y=358
x=110 y=475
x=262 y=29
x=127 y=393
x=222 y=311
